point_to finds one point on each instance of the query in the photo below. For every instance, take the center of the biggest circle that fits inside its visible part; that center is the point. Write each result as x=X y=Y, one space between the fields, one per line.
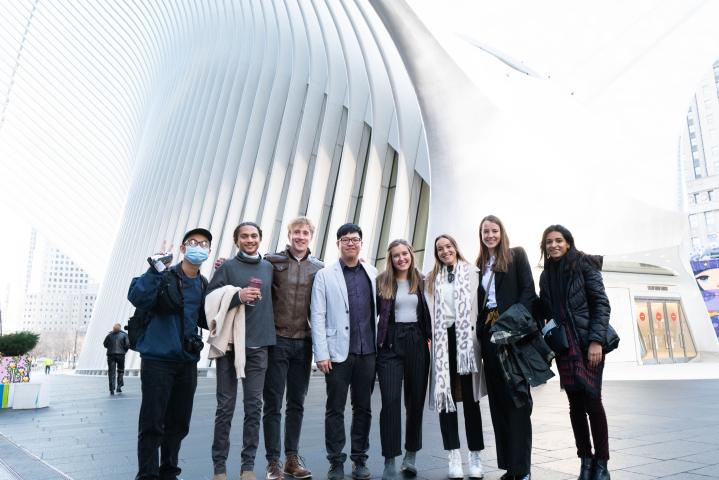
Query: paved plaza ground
x=658 y=429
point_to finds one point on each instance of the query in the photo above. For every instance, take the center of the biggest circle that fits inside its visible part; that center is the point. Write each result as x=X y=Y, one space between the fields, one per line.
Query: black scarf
x=558 y=277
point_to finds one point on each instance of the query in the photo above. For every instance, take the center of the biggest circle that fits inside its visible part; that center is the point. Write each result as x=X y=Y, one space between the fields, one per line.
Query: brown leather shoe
x=274 y=470
x=295 y=467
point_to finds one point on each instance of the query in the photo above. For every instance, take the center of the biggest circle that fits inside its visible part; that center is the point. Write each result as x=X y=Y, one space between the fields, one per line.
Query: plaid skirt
x=575 y=374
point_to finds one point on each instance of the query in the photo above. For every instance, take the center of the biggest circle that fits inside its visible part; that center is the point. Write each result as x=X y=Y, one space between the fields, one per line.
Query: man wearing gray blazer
x=343 y=318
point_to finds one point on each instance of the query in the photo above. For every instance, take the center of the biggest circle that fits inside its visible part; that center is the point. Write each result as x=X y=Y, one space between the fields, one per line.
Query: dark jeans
x=116 y=361
x=168 y=389
x=255 y=368
x=448 y=423
x=406 y=359
x=582 y=406
x=357 y=374
x=289 y=365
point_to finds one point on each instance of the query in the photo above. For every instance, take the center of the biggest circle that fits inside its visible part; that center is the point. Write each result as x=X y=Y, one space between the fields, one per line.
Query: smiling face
x=402 y=260
x=248 y=239
x=445 y=251
x=300 y=236
x=350 y=245
x=491 y=235
x=555 y=245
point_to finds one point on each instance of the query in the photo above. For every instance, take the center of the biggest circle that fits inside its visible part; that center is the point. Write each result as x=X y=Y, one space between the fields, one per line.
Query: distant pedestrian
x=48 y=364
x=117 y=344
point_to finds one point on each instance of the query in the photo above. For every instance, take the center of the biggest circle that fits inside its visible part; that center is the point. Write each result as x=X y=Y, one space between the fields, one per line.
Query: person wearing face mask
x=253 y=275
x=456 y=369
x=173 y=297
x=290 y=360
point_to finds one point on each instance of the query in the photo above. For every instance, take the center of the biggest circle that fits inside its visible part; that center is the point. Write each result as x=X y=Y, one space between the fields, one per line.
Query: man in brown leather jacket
x=290 y=360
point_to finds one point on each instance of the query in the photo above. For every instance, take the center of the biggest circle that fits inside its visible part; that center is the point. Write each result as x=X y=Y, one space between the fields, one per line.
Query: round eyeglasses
x=195 y=243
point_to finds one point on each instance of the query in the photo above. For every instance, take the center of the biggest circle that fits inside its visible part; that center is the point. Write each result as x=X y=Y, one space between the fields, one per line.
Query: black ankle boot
x=585 y=473
x=600 y=470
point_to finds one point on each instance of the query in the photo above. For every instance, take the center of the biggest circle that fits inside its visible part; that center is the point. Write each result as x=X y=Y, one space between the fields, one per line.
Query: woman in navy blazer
x=506 y=279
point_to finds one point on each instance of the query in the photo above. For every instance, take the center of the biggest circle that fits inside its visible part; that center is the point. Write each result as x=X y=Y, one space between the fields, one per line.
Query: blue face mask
x=196 y=255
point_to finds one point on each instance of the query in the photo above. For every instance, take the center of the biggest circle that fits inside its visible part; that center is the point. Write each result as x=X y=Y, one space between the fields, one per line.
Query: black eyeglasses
x=450 y=274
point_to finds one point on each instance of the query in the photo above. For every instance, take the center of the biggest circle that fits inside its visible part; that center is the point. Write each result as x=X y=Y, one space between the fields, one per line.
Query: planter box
x=22 y=396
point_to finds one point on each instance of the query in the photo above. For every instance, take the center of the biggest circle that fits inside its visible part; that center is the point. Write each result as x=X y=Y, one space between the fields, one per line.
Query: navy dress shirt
x=361 y=305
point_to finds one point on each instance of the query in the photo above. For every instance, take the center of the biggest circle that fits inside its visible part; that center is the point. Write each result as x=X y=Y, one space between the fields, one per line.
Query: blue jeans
x=289 y=365
x=168 y=390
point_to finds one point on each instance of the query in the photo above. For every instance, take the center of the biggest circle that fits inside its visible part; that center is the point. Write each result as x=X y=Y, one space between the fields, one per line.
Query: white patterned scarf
x=463 y=330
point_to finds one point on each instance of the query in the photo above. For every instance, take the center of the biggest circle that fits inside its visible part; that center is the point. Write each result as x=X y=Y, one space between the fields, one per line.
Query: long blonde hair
x=438 y=263
x=387 y=282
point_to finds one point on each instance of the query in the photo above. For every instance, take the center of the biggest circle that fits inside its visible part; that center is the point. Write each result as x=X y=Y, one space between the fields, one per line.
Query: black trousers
x=448 y=423
x=512 y=425
x=582 y=406
x=356 y=375
x=116 y=362
x=405 y=358
x=168 y=390
x=289 y=366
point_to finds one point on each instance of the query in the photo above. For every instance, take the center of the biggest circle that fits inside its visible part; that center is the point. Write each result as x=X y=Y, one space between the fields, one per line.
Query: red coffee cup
x=255 y=282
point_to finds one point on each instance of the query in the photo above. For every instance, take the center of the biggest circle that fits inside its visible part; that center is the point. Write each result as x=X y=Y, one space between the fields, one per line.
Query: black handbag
x=556 y=338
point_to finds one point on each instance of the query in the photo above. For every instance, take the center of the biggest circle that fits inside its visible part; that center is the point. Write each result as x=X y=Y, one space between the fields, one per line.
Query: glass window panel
x=660 y=340
x=645 y=334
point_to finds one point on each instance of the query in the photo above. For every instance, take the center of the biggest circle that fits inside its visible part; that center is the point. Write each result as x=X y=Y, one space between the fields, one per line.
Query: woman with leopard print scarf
x=456 y=369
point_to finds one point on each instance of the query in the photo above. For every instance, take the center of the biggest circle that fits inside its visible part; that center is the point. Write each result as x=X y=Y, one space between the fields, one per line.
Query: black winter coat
x=586 y=301
x=523 y=355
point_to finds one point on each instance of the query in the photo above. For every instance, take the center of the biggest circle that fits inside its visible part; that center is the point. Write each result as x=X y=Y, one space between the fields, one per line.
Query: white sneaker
x=455 y=464
x=475 y=465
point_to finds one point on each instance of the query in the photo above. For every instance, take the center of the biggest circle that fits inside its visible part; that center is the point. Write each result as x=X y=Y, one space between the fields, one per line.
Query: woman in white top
x=456 y=366
x=403 y=332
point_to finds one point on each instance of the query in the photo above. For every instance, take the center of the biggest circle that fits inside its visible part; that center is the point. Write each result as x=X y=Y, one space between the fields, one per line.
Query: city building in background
x=57 y=300
x=699 y=153
x=699 y=156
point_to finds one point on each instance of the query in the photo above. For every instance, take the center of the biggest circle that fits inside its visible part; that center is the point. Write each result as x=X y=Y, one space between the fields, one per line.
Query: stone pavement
x=658 y=429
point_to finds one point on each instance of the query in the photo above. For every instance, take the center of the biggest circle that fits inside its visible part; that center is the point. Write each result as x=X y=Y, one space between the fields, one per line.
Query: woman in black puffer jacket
x=572 y=293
